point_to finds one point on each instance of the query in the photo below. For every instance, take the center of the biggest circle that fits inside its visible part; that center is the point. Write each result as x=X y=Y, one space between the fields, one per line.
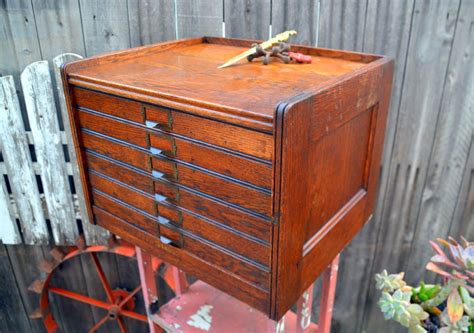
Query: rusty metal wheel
x=118 y=303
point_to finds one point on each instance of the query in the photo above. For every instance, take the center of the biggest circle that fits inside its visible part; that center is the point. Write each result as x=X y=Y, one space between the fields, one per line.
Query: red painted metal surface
x=118 y=303
x=327 y=296
x=202 y=308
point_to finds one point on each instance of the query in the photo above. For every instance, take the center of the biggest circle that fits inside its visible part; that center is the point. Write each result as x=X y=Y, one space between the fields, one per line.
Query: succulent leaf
x=462 y=325
x=389 y=283
x=455 y=307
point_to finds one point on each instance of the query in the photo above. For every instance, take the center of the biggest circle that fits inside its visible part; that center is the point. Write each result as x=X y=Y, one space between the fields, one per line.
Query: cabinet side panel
x=331 y=150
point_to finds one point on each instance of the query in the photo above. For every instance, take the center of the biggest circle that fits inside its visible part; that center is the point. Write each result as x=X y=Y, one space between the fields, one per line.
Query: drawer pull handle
x=160 y=198
x=166 y=240
x=159 y=152
x=157 y=174
x=163 y=220
x=155 y=151
x=152 y=124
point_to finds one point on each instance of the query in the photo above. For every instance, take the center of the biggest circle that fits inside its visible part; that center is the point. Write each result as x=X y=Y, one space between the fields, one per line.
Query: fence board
x=13 y=317
x=464 y=212
x=9 y=230
x=428 y=56
x=94 y=234
x=301 y=16
x=59 y=27
x=342 y=24
x=387 y=31
x=151 y=21
x=199 y=18
x=39 y=99
x=105 y=25
x=247 y=19
x=451 y=145
x=18 y=163
x=24 y=261
x=19 y=41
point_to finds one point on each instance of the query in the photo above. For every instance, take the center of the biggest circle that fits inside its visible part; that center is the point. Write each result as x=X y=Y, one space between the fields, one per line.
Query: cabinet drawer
x=219 y=213
x=223 y=279
x=241 y=195
x=178 y=237
x=201 y=155
x=235 y=138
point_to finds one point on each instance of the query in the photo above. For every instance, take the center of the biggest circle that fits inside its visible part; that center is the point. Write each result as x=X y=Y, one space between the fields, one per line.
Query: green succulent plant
x=389 y=282
x=425 y=292
x=462 y=325
x=417 y=307
x=397 y=306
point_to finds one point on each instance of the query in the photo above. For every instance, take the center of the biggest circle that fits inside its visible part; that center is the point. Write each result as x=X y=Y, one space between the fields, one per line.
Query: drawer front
x=238 y=139
x=161 y=167
x=220 y=278
x=215 y=211
x=109 y=196
x=201 y=155
x=223 y=234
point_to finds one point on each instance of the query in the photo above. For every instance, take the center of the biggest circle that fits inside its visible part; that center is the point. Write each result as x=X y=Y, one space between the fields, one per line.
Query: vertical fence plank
x=9 y=233
x=13 y=317
x=199 y=18
x=301 y=16
x=429 y=49
x=387 y=31
x=105 y=25
x=18 y=41
x=341 y=24
x=247 y=19
x=19 y=167
x=451 y=146
x=151 y=21
x=59 y=27
x=464 y=212
x=94 y=234
x=39 y=99
x=17 y=37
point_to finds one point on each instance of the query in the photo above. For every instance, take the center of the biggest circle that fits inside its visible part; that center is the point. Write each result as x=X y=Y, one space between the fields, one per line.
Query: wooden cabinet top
x=185 y=73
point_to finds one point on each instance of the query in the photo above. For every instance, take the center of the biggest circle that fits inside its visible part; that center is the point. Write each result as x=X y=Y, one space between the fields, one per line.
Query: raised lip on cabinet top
x=246 y=94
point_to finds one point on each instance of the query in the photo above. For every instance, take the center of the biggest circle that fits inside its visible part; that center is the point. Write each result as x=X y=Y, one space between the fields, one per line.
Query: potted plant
x=434 y=308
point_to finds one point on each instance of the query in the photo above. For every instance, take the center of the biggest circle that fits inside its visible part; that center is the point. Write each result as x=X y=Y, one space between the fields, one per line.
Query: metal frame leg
x=150 y=293
x=327 y=296
x=304 y=307
x=305 y=304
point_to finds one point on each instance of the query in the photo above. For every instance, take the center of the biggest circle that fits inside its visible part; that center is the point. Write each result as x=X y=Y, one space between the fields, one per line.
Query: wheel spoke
x=121 y=325
x=79 y=297
x=103 y=278
x=99 y=324
x=129 y=296
x=134 y=315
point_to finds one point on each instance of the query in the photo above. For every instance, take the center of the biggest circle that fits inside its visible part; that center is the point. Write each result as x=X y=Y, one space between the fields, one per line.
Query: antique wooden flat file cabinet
x=251 y=178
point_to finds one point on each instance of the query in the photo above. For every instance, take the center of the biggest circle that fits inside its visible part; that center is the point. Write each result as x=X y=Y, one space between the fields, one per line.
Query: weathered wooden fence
x=427 y=184
x=39 y=184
